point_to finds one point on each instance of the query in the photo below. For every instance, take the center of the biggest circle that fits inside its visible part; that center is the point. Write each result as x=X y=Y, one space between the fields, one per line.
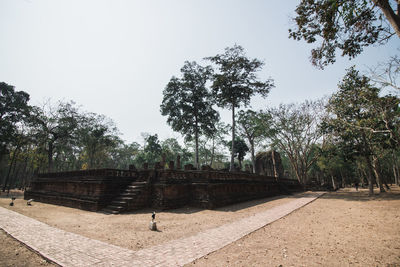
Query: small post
x=153 y=224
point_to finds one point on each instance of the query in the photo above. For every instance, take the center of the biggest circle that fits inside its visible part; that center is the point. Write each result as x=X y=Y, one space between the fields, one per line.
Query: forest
x=351 y=136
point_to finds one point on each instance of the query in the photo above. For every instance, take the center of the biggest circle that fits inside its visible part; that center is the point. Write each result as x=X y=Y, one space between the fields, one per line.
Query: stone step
x=118 y=202
x=128 y=198
x=125 y=198
x=113 y=207
x=132 y=190
x=144 y=182
x=110 y=211
x=129 y=194
x=135 y=187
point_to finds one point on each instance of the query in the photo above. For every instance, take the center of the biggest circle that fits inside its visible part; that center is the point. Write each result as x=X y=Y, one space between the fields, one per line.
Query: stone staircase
x=135 y=196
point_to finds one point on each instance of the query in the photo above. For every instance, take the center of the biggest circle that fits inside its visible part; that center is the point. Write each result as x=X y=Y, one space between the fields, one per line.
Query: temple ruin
x=115 y=191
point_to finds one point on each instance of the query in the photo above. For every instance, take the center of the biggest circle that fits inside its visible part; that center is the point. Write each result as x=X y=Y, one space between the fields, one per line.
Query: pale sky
x=115 y=57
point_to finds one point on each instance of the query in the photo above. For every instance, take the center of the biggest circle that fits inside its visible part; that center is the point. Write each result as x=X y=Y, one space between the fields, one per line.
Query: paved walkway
x=68 y=249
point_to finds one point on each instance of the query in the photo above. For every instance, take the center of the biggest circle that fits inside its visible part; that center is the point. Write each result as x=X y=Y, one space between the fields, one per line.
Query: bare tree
x=294 y=130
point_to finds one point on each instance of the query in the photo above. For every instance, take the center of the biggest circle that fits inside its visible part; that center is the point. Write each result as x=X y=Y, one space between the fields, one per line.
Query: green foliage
x=188 y=103
x=240 y=149
x=365 y=123
x=98 y=137
x=171 y=148
x=235 y=82
x=14 y=109
x=348 y=26
x=151 y=152
x=55 y=127
x=251 y=127
x=363 y=119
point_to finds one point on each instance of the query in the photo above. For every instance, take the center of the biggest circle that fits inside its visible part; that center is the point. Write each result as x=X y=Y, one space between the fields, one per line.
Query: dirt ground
x=341 y=228
x=345 y=228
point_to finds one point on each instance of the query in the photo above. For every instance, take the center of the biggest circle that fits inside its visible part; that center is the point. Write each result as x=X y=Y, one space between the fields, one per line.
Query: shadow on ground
x=350 y=194
x=229 y=208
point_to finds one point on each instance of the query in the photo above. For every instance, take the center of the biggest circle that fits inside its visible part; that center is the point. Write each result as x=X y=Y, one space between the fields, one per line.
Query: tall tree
x=344 y=25
x=235 y=82
x=14 y=109
x=365 y=121
x=250 y=127
x=188 y=104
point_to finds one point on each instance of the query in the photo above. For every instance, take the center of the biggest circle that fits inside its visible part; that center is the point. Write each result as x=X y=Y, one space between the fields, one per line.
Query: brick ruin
x=116 y=191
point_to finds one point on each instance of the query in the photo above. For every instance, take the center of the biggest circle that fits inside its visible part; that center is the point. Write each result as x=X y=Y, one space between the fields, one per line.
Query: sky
x=116 y=57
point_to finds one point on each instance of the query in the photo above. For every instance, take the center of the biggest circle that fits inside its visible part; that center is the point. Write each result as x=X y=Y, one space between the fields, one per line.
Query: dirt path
x=131 y=230
x=342 y=228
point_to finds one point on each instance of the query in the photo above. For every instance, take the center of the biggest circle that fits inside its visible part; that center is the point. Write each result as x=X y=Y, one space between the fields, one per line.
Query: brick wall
x=166 y=189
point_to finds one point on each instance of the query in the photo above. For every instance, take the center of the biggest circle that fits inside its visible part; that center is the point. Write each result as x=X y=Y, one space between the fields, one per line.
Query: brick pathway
x=68 y=249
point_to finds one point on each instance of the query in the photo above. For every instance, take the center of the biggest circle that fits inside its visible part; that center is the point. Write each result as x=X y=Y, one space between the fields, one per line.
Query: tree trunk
x=395 y=169
x=50 y=157
x=212 y=153
x=233 y=140
x=375 y=165
x=274 y=164
x=343 y=180
x=10 y=168
x=196 y=137
x=333 y=182
x=390 y=15
x=253 y=158
x=370 y=180
x=14 y=180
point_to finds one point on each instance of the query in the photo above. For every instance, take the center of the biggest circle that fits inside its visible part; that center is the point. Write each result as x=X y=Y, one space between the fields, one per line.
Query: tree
x=366 y=122
x=151 y=152
x=125 y=154
x=97 y=135
x=250 y=127
x=387 y=74
x=345 y=25
x=171 y=148
x=240 y=149
x=56 y=127
x=294 y=130
x=188 y=104
x=14 y=109
x=235 y=82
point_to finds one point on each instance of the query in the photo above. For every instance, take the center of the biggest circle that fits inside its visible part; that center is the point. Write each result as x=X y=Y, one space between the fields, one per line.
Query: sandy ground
x=344 y=228
x=340 y=229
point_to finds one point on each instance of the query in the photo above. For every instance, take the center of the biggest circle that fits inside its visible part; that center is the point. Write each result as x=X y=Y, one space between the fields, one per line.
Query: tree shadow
x=228 y=208
x=350 y=194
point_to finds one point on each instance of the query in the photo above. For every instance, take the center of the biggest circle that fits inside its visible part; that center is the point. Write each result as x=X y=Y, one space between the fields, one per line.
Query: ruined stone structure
x=269 y=163
x=116 y=191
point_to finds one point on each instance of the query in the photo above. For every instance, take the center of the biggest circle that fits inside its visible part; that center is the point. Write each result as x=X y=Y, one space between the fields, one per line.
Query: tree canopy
x=14 y=109
x=344 y=25
x=235 y=82
x=189 y=105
